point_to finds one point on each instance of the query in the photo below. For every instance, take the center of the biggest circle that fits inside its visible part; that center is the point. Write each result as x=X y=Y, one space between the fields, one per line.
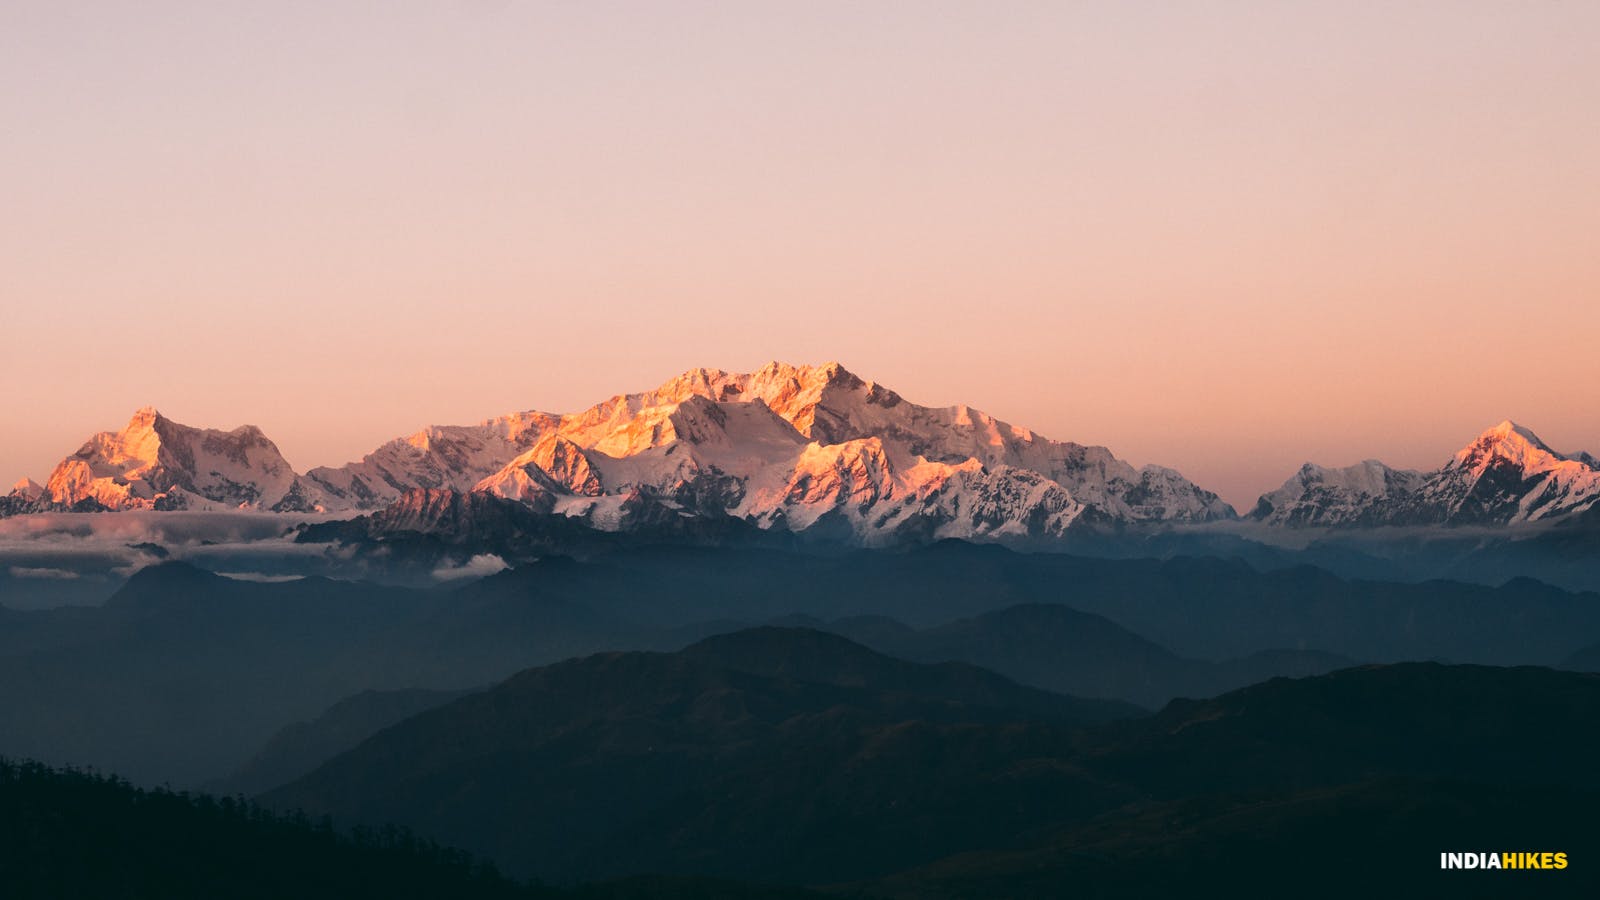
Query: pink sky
x=1226 y=237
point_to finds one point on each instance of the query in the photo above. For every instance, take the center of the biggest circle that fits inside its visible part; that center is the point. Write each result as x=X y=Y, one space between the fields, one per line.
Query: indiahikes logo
x=1502 y=860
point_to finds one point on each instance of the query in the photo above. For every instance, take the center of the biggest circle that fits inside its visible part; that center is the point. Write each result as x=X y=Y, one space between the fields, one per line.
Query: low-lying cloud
x=480 y=566
x=103 y=549
x=42 y=572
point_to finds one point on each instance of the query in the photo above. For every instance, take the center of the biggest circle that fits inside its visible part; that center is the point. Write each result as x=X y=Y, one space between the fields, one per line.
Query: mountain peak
x=1511 y=443
x=1318 y=495
x=696 y=382
x=165 y=585
x=806 y=376
x=779 y=369
x=156 y=463
x=834 y=371
x=777 y=650
x=1508 y=429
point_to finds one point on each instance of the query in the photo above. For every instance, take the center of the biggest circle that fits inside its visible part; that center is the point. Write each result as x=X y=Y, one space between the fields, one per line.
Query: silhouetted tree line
x=79 y=834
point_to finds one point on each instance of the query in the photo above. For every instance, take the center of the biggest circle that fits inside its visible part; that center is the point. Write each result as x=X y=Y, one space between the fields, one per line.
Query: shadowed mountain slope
x=302 y=746
x=602 y=745
x=1061 y=649
x=668 y=763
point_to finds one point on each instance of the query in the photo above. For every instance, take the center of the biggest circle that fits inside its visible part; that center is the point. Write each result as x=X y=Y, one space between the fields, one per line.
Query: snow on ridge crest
x=1504 y=476
x=796 y=444
x=156 y=463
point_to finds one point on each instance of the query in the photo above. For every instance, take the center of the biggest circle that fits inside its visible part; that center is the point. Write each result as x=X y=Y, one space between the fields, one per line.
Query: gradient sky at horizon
x=1225 y=237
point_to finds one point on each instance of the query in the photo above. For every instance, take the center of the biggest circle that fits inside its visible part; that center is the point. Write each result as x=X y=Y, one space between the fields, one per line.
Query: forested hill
x=72 y=834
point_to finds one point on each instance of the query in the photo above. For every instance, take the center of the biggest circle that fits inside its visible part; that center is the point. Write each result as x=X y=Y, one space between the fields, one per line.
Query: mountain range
x=796 y=449
x=182 y=676
x=796 y=757
x=1506 y=476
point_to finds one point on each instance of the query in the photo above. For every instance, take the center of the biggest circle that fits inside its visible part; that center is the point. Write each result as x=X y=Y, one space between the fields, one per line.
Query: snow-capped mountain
x=1354 y=495
x=27 y=490
x=1507 y=476
x=797 y=447
x=793 y=447
x=453 y=457
x=800 y=448
x=156 y=463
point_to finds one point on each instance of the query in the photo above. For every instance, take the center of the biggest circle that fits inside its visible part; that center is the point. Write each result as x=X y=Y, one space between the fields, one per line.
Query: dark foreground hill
x=688 y=763
x=68 y=834
x=630 y=763
x=71 y=834
x=1344 y=784
x=1378 y=838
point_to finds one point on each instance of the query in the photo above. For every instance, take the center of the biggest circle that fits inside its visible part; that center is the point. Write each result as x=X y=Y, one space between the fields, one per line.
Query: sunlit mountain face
x=785 y=445
x=799 y=449
x=156 y=463
x=1506 y=476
